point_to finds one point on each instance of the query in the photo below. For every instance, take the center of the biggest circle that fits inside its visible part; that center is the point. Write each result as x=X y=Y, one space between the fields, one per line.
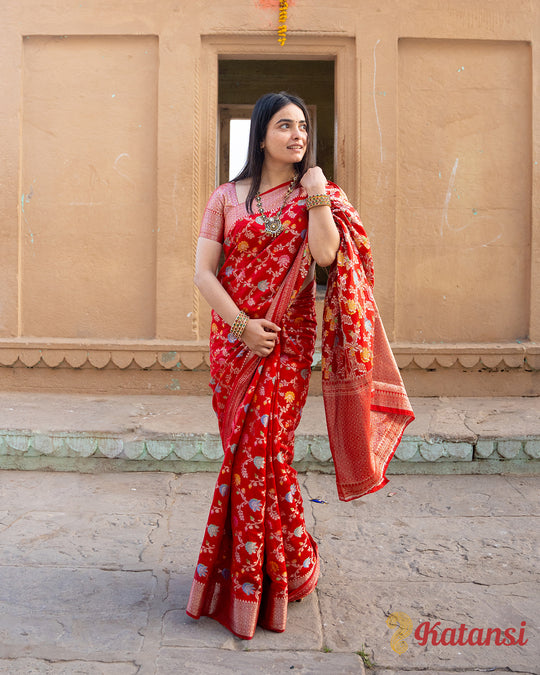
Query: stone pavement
x=95 y=571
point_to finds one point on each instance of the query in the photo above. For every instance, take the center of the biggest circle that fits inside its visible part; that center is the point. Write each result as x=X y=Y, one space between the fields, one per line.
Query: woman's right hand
x=260 y=336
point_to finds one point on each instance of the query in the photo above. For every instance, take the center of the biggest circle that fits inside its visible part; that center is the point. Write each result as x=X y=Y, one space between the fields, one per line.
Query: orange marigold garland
x=282 y=24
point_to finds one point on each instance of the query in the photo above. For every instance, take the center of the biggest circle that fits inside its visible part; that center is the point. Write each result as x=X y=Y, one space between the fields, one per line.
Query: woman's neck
x=272 y=176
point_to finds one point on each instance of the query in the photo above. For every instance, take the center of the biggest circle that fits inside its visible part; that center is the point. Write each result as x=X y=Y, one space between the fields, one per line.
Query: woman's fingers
x=314 y=179
x=269 y=326
x=260 y=336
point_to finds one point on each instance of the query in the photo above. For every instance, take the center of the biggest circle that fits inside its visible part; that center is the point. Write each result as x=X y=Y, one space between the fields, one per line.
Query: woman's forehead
x=289 y=112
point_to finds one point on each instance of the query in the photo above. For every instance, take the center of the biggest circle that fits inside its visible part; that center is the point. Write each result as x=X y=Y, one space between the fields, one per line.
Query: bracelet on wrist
x=239 y=325
x=317 y=200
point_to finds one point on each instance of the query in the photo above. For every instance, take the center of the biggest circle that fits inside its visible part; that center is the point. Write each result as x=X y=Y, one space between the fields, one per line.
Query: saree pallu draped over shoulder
x=256 y=555
x=366 y=405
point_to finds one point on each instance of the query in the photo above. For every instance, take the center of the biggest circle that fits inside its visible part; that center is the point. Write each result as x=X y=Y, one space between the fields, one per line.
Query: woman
x=274 y=222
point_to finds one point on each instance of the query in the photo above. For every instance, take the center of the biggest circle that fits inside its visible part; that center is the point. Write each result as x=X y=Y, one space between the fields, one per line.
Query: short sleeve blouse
x=222 y=200
x=223 y=210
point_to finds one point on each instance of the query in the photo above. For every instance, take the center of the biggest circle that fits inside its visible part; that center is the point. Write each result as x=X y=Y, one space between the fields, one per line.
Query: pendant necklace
x=273 y=226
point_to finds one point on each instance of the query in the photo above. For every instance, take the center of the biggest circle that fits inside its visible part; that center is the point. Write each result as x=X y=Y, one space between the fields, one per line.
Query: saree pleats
x=256 y=555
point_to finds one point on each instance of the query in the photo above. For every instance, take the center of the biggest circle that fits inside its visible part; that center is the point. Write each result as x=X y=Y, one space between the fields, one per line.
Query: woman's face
x=286 y=136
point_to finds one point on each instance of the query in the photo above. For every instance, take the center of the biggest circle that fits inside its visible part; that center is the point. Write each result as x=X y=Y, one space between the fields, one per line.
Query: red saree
x=256 y=555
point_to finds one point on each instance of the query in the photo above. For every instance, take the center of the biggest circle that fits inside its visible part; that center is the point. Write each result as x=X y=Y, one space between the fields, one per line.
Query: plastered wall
x=108 y=137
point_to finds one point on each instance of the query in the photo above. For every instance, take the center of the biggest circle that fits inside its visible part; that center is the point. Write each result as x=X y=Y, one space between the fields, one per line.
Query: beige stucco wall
x=108 y=125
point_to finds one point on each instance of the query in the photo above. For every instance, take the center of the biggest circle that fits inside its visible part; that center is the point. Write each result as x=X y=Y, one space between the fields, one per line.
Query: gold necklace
x=273 y=226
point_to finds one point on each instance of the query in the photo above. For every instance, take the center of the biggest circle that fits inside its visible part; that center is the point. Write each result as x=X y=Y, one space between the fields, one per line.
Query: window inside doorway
x=238 y=145
x=234 y=123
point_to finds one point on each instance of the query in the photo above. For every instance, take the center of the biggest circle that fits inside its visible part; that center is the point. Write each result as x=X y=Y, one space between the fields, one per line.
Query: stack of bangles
x=239 y=325
x=317 y=200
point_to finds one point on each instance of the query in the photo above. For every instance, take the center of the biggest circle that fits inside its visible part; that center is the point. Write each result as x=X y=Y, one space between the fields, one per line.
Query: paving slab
x=109 y=541
x=69 y=613
x=428 y=496
x=499 y=417
x=460 y=417
x=435 y=550
x=185 y=526
x=222 y=662
x=454 y=562
x=123 y=413
x=84 y=493
x=39 y=667
x=457 y=539
x=303 y=631
x=436 y=418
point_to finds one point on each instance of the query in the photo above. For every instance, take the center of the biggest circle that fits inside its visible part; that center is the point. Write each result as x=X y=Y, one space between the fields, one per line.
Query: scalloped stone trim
x=99 y=359
x=207 y=448
x=187 y=357
x=525 y=356
x=419 y=450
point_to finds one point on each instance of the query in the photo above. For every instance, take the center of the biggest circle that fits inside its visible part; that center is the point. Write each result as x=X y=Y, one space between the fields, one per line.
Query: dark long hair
x=265 y=108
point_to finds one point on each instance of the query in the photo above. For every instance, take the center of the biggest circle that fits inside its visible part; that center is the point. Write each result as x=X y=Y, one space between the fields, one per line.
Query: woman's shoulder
x=224 y=188
x=222 y=195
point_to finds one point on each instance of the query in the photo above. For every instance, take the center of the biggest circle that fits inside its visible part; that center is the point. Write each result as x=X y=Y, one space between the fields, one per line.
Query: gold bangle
x=317 y=200
x=239 y=325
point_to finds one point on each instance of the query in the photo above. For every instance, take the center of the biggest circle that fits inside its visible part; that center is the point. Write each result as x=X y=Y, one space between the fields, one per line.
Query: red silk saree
x=256 y=555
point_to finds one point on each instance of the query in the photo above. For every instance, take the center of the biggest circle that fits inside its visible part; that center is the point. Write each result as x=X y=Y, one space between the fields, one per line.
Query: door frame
x=320 y=47
x=259 y=46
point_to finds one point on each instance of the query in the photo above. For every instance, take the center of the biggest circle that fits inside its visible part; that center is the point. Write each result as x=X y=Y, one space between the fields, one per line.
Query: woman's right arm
x=259 y=335
x=206 y=262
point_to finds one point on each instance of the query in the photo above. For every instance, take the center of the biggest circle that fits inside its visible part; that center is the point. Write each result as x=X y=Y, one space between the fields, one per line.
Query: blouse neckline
x=277 y=187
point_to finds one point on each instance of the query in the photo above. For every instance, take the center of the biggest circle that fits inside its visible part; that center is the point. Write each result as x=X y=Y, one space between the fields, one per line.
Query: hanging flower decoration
x=282 y=23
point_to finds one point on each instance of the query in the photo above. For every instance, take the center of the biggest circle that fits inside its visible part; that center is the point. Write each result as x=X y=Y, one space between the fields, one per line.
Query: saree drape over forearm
x=256 y=555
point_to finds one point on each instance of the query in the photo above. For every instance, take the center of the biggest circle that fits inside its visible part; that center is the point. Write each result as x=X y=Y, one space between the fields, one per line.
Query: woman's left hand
x=314 y=181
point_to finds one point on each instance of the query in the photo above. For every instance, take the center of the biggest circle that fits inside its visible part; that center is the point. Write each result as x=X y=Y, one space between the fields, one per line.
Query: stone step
x=179 y=433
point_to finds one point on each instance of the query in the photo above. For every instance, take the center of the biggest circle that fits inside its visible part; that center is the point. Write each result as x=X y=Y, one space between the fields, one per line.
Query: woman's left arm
x=323 y=235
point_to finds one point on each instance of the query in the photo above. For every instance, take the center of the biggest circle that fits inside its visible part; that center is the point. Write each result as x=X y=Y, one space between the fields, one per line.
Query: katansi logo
x=428 y=633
